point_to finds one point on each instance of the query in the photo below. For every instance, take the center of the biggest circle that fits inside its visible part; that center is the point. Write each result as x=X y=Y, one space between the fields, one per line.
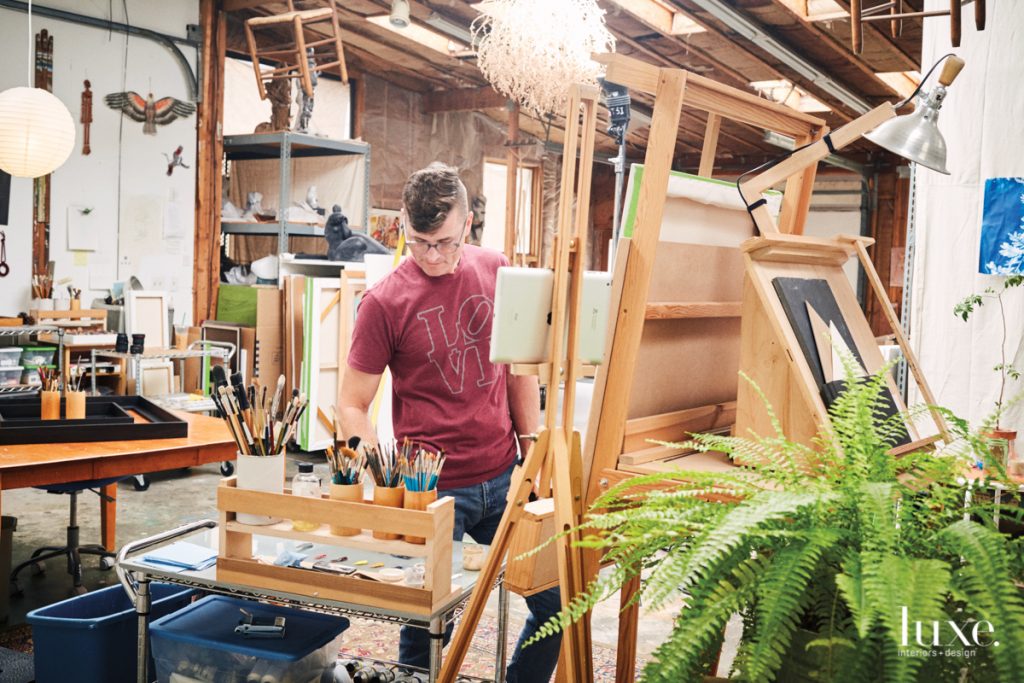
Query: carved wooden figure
x=86 y=116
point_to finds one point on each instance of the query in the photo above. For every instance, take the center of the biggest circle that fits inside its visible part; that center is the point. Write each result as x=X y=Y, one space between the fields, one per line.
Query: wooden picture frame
x=157 y=377
x=146 y=313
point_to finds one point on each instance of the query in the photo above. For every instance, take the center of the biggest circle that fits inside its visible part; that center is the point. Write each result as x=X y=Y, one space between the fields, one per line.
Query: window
x=528 y=208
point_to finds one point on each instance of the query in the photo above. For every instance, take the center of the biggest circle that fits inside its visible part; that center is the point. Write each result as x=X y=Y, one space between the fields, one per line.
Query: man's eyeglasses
x=444 y=247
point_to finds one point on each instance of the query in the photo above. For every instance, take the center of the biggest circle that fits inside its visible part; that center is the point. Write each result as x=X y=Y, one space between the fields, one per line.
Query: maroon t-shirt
x=435 y=335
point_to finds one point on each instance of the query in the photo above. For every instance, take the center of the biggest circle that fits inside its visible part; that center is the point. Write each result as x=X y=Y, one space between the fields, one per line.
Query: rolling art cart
x=365 y=601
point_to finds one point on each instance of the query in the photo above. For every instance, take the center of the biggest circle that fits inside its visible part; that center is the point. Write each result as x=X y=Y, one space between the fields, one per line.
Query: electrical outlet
x=126 y=260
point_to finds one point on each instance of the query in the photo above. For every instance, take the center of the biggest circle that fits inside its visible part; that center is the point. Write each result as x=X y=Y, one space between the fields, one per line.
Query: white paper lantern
x=37 y=132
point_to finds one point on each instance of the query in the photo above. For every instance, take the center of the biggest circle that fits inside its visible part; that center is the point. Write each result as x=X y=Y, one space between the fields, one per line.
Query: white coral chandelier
x=531 y=51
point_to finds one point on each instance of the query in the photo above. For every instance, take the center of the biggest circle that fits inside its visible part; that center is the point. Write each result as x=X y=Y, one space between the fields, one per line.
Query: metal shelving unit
x=285 y=146
x=19 y=330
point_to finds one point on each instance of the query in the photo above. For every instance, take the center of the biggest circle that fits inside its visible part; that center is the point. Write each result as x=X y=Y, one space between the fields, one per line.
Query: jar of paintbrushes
x=422 y=469
x=382 y=462
x=347 y=466
x=49 y=394
x=260 y=432
x=74 y=397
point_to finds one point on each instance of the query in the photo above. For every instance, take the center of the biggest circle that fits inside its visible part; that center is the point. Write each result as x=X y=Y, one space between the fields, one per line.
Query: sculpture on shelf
x=253 y=206
x=279 y=93
x=313 y=202
x=306 y=101
x=345 y=245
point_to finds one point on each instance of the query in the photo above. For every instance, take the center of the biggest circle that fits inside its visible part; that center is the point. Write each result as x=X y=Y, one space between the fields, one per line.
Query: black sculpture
x=345 y=245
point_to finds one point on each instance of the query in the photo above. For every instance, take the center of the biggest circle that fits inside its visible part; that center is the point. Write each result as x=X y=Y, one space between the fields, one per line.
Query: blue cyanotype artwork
x=1002 y=227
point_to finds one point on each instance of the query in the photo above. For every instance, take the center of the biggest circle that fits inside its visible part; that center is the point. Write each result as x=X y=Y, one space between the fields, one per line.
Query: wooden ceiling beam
x=712 y=26
x=463 y=99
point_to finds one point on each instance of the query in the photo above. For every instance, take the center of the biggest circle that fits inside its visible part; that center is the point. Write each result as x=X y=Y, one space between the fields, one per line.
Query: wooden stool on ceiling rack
x=292 y=56
x=895 y=16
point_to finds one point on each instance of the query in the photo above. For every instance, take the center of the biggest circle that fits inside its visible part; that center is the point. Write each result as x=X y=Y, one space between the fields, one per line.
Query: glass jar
x=305 y=483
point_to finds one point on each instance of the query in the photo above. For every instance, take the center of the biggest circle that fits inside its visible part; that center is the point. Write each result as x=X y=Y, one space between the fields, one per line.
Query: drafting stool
x=73 y=551
x=292 y=56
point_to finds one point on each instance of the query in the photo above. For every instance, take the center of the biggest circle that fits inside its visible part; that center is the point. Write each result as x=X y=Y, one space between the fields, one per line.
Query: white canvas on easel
x=146 y=313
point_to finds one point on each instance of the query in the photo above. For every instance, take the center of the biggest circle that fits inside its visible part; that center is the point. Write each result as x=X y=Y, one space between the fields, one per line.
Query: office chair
x=73 y=550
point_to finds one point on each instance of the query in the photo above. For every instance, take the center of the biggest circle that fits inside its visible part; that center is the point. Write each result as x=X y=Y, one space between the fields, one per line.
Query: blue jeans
x=478 y=510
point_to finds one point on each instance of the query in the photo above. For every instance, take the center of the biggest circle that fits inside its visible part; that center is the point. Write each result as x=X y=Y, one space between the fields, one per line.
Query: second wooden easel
x=557 y=448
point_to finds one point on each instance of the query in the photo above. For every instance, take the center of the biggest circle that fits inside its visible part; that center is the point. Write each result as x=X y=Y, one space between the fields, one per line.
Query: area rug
x=367 y=639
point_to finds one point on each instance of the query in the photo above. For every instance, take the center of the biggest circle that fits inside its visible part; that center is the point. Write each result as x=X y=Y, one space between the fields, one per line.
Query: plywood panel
x=685 y=364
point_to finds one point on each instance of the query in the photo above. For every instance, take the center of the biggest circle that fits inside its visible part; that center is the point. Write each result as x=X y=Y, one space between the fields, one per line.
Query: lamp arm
x=804 y=157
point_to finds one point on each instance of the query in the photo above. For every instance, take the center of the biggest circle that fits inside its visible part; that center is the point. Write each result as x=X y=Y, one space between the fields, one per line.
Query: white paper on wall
x=81 y=229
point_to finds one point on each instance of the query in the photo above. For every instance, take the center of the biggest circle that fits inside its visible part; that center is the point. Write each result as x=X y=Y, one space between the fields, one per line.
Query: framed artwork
x=384 y=226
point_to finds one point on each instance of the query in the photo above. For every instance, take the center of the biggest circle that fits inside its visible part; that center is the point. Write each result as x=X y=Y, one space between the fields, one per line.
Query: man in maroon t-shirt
x=429 y=321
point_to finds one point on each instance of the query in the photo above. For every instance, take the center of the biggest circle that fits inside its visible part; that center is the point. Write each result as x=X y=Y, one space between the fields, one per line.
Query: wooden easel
x=611 y=428
x=557 y=448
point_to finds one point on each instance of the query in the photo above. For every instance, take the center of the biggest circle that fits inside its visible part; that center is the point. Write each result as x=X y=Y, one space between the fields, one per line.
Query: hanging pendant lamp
x=37 y=132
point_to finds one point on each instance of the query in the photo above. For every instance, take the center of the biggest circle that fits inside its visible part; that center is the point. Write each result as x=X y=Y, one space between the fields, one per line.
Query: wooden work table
x=27 y=465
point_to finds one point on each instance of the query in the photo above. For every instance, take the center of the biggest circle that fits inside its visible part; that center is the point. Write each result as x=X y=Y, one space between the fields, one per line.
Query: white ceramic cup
x=44 y=304
x=259 y=473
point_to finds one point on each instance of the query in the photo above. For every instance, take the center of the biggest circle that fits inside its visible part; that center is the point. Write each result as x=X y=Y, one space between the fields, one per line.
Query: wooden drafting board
x=773 y=355
x=609 y=424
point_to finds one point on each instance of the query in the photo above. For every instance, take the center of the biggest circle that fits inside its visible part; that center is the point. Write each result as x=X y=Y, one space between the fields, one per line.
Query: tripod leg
x=523 y=485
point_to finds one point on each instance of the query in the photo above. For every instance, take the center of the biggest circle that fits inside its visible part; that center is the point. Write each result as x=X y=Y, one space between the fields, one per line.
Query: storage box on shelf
x=236 y=563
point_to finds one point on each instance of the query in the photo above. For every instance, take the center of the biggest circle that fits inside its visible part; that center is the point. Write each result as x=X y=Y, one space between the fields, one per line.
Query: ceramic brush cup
x=352 y=493
x=419 y=500
x=49 y=405
x=74 y=405
x=392 y=498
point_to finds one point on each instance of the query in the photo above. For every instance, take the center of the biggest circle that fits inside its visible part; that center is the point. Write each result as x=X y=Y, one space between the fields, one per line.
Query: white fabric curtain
x=983 y=123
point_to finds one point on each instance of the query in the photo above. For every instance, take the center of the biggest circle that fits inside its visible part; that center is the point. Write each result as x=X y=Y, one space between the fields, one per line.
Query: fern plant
x=841 y=553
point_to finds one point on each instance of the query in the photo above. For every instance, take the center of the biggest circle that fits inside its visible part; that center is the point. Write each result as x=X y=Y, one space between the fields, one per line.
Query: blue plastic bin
x=91 y=638
x=200 y=642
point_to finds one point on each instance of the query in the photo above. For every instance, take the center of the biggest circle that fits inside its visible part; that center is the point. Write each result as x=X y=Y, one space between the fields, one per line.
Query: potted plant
x=846 y=563
x=964 y=309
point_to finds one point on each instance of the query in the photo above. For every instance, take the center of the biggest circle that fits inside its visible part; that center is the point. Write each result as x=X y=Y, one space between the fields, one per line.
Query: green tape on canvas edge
x=638 y=172
x=307 y=350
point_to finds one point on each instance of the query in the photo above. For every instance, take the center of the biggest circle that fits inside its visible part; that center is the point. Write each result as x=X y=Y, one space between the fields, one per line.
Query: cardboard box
x=257 y=307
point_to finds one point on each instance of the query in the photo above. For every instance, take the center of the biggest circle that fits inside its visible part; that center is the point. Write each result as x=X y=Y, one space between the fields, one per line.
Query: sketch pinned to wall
x=149 y=111
x=81 y=229
x=1002 y=227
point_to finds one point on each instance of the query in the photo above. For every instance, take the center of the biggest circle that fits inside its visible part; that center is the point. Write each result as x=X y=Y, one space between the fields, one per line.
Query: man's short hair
x=430 y=194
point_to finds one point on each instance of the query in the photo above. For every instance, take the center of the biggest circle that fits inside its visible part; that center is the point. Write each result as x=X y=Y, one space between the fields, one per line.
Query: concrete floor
x=183 y=496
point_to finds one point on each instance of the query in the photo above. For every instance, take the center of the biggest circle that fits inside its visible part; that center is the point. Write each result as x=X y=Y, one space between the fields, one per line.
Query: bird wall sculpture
x=151 y=113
